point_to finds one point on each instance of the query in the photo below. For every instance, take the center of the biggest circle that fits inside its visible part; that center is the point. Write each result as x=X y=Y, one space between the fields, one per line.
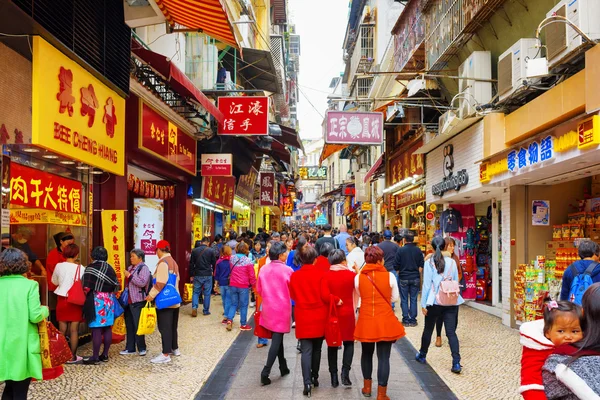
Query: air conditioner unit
x=447 y=121
x=473 y=92
x=512 y=67
x=562 y=40
x=140 y=13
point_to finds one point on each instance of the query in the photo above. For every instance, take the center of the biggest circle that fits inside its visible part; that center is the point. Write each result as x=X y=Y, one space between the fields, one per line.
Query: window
x=363 y=86
x=367 y=41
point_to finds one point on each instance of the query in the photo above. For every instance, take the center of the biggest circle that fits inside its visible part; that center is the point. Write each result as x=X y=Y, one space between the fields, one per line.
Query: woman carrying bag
x=440 y=299
x=168 y=317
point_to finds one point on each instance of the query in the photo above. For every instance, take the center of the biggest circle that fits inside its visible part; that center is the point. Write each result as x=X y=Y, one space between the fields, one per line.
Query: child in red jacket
x=561 y=324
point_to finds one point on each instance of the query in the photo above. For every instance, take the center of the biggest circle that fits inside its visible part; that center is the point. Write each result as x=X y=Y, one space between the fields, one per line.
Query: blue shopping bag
x=117 y=307
x=168 y=296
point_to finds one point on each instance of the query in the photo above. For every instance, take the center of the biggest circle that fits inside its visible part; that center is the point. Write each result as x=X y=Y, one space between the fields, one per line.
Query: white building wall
x=506 y=267
x=170 y=45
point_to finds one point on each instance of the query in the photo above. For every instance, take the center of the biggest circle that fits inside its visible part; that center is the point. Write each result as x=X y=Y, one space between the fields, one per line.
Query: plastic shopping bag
x=147 y=320
x=188 y=291
x=53 y=345
x=119 y=326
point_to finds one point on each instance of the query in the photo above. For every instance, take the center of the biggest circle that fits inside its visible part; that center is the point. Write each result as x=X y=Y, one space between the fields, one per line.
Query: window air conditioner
x=473 y=92
x=512 y=67
x=562 y=40
x=447 y=121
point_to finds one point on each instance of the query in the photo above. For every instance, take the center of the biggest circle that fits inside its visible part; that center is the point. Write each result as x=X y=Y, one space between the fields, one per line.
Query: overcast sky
x=321 y=25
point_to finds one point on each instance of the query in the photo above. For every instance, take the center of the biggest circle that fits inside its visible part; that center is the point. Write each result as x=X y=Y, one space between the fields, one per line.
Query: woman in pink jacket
x=241 y=279
x=273 y=287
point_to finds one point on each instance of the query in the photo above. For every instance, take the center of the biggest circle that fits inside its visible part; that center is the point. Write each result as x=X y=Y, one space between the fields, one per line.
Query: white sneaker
x=161 y=359
x=143 y=353
x=176 y=353
x=252 y=304
x=127 y=352
x=293 y=324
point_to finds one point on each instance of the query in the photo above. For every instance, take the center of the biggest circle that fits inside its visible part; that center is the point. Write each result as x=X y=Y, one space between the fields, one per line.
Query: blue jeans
x=408 y=292
x=239 y=297
x=202 y=284
x=226 y=297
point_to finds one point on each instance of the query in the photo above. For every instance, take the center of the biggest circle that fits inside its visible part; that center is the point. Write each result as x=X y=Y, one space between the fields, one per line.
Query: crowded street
x=294 y=199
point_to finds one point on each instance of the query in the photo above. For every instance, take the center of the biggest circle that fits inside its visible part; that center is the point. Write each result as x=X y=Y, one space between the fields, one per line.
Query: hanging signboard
x=407 y=164
x=165 y=140
x=345 y=127
x=244 y=115
x=216 y=165
x=409 y=34
x=219 y=190
x=267 y=188
x=362 y=191
x=313 y=173
x=246 y=184
x=410 y=197
x=40 y=216
x=113 y=233
x=148 y=226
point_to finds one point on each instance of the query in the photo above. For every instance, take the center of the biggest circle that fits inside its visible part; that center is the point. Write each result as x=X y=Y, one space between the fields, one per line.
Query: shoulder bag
x=448 y=292
x=231 y=270
x=168 y=296
x=75 y=295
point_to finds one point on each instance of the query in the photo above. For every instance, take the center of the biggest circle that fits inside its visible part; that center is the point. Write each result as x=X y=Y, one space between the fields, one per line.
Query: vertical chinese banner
x=196 y=229
x=267 y=188
x=113 y=233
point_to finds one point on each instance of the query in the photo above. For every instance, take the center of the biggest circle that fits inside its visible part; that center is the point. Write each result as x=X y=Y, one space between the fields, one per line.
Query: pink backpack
x=449 y=291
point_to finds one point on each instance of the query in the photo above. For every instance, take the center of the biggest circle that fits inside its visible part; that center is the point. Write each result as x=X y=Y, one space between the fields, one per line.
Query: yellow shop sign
x=74 y=113
x=588 y=132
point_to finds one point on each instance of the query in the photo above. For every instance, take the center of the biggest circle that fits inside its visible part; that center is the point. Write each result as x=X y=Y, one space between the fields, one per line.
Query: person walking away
x=20 y=312
x=276 y=314
x=409 y=263
x=242 y=278
x=342 y=237
x=326 y=238
x=232 y=241
x=449 y=252
x=100 y=281
x=322 y=261
x=366 y=242
x=262 y=262
x=138 y=281
x=356 y=255
x=377 y=325
x=338 y=286
x=68 y=315
x=311 y=315
x=437 y=269
x=167 y=318
x=222 y=276
x=579 y=275
x=202 y=262
x=389 y=250
x=572 y=371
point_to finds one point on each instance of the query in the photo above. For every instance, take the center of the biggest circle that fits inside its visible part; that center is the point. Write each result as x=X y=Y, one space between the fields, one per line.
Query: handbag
x=117 y=307
x=55 y=350
x=333 y=333
x=75 y=295
x=259 y=330
x=168 y=296
x=230 y=271
x=123 y=298
x=147 y=322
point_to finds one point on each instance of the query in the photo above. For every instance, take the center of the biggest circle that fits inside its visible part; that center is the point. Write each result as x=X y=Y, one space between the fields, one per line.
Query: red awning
x=290 y=137
x=208 y=16
x=178 y=81
x=374 y=168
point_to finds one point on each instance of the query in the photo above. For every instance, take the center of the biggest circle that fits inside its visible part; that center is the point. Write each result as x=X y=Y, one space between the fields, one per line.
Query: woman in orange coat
x=377 y=323
x=311 y=315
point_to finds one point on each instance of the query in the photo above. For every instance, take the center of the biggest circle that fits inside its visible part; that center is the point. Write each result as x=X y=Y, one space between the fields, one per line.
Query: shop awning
x=278 y=151
x=375 y=168
x=207 y=16
x=329 y=150
x=178 y=81
x=290 y=137
x=258 y=70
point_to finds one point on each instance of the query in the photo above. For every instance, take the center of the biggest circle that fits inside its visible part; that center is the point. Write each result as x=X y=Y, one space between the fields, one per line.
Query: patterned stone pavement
x=490 y=353
x=202 y=341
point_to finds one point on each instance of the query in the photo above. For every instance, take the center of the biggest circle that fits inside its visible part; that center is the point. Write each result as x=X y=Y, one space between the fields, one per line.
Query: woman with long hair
x=338 y=287
x=311 y=315
x=377 y=324
x=437 y=269
x=449 y=252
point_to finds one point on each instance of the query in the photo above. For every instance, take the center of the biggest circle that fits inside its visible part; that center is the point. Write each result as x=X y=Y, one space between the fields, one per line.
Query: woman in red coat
x=338 y=286
x=311 y=315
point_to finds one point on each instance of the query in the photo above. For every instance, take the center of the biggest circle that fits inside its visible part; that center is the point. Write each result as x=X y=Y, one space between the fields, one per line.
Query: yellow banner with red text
x=113 y=233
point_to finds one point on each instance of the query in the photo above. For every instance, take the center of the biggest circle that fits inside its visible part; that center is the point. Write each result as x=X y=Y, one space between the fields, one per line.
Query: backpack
x=580 y=283
x=449 y=290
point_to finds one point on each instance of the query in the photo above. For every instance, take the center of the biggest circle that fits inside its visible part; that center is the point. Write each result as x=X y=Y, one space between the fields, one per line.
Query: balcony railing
x=363 y=55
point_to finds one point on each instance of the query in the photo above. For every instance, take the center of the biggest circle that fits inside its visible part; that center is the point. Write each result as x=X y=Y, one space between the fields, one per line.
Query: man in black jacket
x=202 y=262
x=409 y=264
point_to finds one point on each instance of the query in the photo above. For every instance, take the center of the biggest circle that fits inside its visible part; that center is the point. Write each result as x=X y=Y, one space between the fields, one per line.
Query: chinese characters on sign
x=246 y=184
x=166 y=140
x=287 y=206
x=244 y=115
x=148 y=224
x=364 y=128
x=113 y=233
x=410 y=197
x=219 y=190
x=533 y=154
x=74 y=113
x=406 y=164
x=40 y=216
x=313 y=173
x=37 y=189
x=216 y=165
x=267 y=188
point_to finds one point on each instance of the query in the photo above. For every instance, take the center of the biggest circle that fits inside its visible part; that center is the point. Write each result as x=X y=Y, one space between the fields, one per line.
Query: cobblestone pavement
x=402 y=383
x=202 y=341
x=490 y=353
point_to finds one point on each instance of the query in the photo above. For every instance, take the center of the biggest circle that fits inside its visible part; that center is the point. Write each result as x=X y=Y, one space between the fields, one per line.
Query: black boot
x=264 y=376
x=346 y=377
x=334 y=380
x=315 y=380
x=283 y=368
x=307 y=390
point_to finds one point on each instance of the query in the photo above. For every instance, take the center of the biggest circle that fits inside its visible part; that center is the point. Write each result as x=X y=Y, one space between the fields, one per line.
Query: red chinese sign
x=244 y=115
x=267 y=188
x=406 y=164
x=246 y=184
x=33 y=188
x=219 y=190
x=166 y=140
x=410 y=197
x=216 y=165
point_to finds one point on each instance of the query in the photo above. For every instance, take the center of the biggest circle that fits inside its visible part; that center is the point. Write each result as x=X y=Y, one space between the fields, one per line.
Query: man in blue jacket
x=589 y=252
x=409 y=263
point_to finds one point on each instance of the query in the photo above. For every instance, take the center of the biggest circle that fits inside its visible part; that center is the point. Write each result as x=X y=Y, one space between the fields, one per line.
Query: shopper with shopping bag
x=20 y=312
x=138 y=285
x=147 y=321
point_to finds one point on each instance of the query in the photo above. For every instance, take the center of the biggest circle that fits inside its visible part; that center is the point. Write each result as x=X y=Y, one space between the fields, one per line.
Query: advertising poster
x=148 y=218
x=540 y=213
